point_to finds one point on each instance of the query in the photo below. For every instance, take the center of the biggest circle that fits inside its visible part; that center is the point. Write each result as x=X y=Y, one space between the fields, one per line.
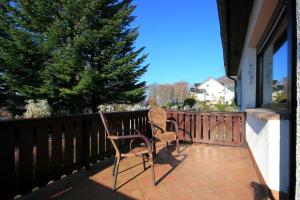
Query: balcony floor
x=199 y=172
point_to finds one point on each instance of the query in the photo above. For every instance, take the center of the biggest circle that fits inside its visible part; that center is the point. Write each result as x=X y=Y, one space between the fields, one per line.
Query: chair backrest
x=158 y=116
x=107 y=131
x=105 y=123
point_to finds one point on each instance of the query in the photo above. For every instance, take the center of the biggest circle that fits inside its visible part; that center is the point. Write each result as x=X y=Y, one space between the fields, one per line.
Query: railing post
x=85 y=145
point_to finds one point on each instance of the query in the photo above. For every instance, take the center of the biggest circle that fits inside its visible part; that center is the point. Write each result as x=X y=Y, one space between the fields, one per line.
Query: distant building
x=213 y=90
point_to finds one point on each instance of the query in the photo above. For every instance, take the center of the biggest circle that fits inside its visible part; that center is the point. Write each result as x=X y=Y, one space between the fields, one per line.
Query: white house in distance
x=212 y=90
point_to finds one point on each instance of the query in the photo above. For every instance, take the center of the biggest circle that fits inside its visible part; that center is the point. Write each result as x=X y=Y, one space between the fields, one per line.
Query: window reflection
x=274 y=67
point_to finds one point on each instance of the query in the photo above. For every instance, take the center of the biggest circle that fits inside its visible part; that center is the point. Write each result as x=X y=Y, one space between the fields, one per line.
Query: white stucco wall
x=248 y=81
x=268 y=141
x=260 y=15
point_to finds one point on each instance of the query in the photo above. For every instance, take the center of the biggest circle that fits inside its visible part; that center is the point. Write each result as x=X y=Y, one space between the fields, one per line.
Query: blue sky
x=280 y=63
x=182 y=39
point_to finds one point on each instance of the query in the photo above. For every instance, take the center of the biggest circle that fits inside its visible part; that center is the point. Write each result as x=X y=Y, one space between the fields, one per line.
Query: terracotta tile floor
x=199 y=172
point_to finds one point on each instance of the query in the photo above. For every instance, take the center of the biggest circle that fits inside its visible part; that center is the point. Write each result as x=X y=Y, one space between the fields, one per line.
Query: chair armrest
x=175 y=124
x=134 y=136
x=153 y=126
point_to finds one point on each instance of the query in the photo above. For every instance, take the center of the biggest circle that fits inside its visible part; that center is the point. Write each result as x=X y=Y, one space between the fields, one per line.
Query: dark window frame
x=278 y=20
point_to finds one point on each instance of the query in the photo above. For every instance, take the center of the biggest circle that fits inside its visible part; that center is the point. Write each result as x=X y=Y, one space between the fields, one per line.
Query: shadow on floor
x=79 y=186
x=261 y=192
x=167 y=155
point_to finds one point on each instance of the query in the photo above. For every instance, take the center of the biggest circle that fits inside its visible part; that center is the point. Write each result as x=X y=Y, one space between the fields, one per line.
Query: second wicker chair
x=158 y=121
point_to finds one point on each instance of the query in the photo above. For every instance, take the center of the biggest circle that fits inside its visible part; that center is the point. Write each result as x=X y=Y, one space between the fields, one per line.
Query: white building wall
x=267 y=139
x=248 y=81
x=269 y=144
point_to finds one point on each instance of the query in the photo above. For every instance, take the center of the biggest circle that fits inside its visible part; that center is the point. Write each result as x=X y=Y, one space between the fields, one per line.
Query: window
x=273 y=69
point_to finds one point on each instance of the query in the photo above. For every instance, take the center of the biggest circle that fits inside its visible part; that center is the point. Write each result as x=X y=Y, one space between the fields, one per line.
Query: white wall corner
x=248 y=70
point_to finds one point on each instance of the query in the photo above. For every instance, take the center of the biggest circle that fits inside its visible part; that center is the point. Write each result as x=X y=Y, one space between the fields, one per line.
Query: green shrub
x=189 y=101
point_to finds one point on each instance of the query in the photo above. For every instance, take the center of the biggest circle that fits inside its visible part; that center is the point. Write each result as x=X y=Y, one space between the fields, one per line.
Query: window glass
x=274 y=65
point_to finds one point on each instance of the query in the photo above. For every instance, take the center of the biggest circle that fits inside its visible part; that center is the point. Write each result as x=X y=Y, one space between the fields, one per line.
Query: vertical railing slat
x=228 y=129
x=7 y=159
x=78 y=139
x=42 y=154
x=26 y=158
x=221 y=128
x=181 y=126
x=68 y=154
x=56 y=150
x=187 y=132
x=212 y=128
x=236 y=130
x=242 y=134
x=94 y=137
x=205 y=124
x=102 y=139
x=198 y=128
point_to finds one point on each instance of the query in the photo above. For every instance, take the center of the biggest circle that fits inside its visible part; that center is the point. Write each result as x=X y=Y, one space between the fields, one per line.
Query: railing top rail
x=69 y=117
x=207 y=113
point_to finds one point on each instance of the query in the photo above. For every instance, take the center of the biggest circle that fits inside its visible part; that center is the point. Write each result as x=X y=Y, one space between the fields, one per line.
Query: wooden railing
x=35 y=151
x=226 y=128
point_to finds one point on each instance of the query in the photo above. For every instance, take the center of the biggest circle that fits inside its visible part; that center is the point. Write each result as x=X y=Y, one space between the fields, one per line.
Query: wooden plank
x=108 y=145
x=78 y=140
x=181 y=126
x=187 y=132
x=193 y=126
x=141 y=124
x=236 y=130
x=221 y=129
x=26 y=158
x=56 y=151
x=68 y=150
x=145 y=125
x=7 y=159
x=243 y=130
x=42 y=154
x=197 y=127
x=118 y=124
x=212 y=127
x=205 y=124
x=102 y=140
x=228 y=129
x=126 y=125
x=85 y=143
x=94 y=137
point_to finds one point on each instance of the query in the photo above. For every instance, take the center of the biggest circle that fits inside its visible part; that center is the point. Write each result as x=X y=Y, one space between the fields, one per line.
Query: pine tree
x=75 y=53
x=20 y=58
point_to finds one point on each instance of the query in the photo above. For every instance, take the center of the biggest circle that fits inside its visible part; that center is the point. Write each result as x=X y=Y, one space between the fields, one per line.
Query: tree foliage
x=74 y=53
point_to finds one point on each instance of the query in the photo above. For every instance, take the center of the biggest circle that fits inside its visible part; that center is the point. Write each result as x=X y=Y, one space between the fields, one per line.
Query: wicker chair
x=144 y=151
x=158 y=121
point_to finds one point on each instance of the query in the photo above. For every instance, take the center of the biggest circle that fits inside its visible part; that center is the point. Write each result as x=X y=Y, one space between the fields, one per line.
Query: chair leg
x=116 y=174
x=114 y=167
x=144 y=164
x=152 y=168
x=177 y=146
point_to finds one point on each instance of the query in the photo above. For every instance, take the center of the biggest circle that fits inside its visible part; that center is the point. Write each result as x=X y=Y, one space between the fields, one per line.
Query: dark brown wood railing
x=35 y=151
x=225 y=128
